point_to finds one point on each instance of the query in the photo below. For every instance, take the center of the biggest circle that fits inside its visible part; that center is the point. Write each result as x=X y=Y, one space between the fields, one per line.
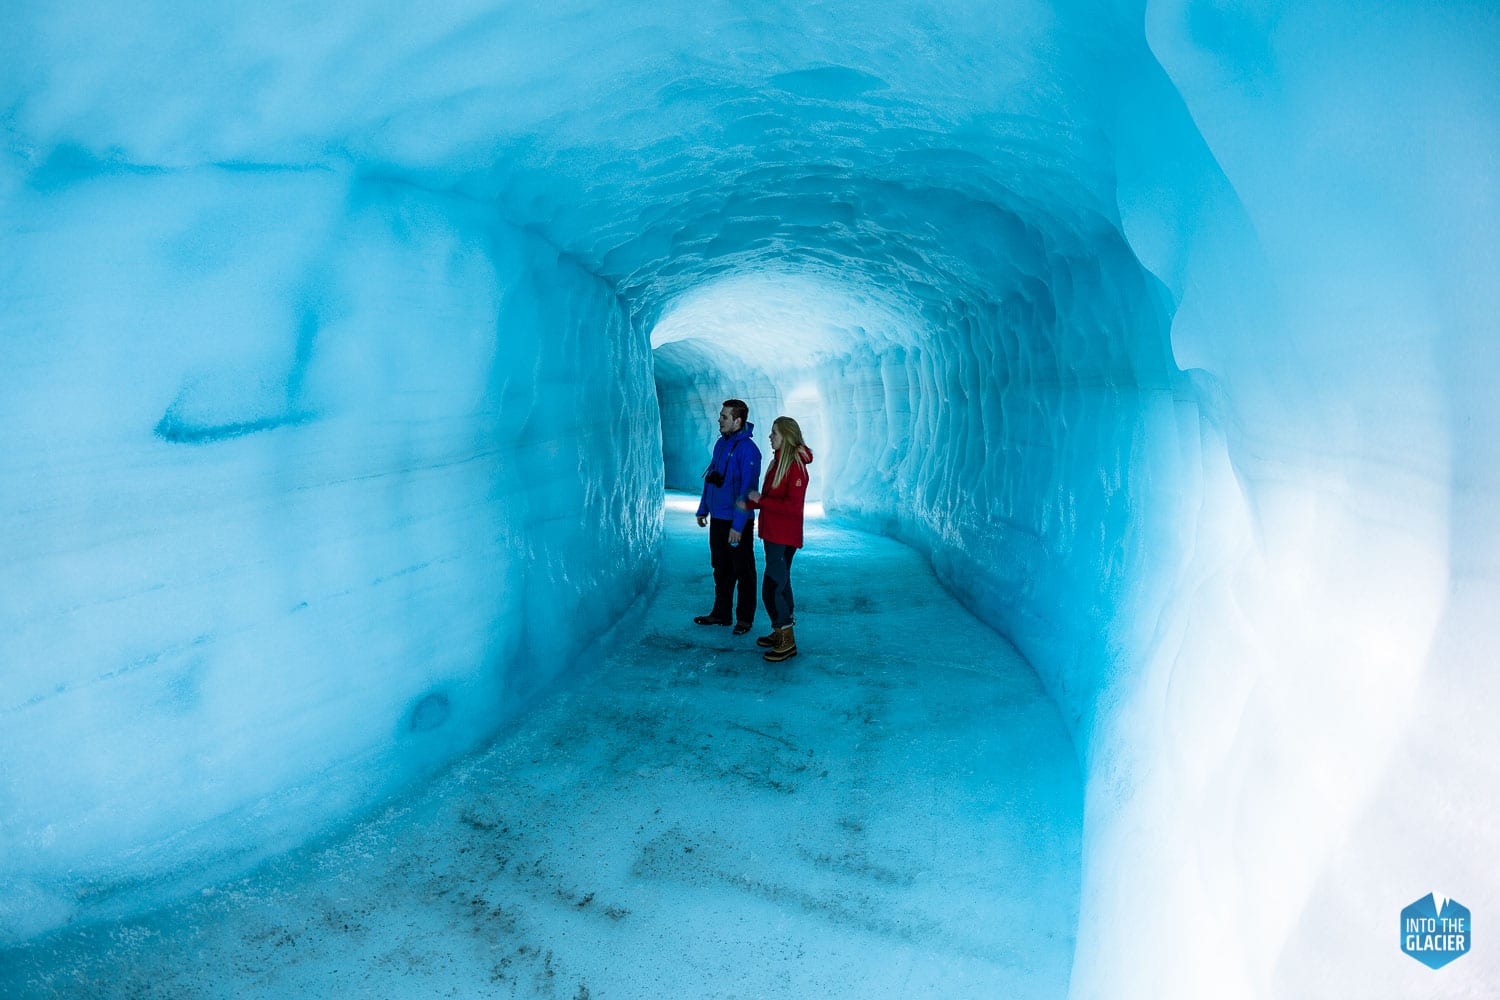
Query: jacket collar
x=739 y=435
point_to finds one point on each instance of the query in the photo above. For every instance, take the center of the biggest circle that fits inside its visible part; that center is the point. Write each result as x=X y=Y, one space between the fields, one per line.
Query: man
x=733 y=472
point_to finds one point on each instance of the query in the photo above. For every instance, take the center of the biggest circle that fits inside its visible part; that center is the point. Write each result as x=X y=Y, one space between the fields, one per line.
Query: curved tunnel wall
x=1181 y=378
x=301 y=463
x=693 y=378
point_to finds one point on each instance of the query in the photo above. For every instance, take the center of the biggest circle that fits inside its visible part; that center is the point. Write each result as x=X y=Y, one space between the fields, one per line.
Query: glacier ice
x=348 y=349
x=260 y=579
x=682 y=819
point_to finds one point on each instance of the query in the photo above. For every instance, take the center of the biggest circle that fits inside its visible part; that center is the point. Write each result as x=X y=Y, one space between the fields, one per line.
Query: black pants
x=733 y=564
x=777 y=590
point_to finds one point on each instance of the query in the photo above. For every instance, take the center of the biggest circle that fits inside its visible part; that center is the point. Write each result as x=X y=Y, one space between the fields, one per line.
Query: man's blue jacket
x=739 y=459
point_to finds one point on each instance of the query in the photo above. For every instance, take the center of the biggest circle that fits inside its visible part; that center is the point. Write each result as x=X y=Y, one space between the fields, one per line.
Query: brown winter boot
x=767 y=641
x=785 y=648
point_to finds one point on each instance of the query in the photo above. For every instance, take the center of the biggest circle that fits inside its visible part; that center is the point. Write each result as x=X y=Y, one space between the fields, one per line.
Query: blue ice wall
x=1165 y=329
x=693 y=378
x=1029 y=443
x=298 y=464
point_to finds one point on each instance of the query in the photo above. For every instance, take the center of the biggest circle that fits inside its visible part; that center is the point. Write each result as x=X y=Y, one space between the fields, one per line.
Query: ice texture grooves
x=1163 y=329
x=896 y=812
x=218 y=643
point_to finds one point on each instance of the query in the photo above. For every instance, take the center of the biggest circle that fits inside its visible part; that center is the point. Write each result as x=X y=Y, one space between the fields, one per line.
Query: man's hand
x=734 y=537
x=702 y=520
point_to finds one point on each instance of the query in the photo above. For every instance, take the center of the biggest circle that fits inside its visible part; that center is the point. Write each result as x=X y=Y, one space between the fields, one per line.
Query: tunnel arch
x=1157 y=217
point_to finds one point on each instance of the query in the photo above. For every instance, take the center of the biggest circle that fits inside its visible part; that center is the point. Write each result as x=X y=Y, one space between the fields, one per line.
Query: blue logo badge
x=1435 y=930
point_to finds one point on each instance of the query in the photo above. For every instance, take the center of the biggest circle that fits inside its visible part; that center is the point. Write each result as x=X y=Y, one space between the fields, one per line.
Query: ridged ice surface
x=348 y=352
x=300 y=537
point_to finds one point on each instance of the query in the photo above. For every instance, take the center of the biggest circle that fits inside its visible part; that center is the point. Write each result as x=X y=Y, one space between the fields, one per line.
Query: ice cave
x=361 y=368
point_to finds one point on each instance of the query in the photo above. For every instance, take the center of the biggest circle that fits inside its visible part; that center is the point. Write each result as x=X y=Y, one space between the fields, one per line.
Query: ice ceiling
x=1165 y=331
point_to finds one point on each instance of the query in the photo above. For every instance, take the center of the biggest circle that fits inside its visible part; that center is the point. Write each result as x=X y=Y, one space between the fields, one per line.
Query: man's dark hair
x=737 y=409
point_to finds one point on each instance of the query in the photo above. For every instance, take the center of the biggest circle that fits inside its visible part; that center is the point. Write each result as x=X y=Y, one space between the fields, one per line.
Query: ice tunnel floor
x=895 y=812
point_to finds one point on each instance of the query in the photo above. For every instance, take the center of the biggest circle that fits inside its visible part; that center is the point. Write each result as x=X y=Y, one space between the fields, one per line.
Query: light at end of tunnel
x=679 y=503
x=783 y=319
x=675 y=502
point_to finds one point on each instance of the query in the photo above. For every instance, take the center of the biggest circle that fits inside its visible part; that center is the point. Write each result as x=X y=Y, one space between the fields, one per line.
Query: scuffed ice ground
x=683 y=819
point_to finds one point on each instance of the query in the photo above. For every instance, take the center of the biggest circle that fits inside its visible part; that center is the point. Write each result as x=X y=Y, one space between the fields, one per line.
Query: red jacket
x=781 y=506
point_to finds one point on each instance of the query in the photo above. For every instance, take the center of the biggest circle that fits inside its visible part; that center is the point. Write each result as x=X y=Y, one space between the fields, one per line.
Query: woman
x=780 y=503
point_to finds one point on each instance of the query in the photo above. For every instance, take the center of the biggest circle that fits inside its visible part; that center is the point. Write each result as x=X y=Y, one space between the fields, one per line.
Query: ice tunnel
x=349 y=351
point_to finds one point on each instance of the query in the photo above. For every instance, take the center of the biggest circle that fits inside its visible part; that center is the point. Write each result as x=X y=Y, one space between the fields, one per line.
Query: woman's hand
x=753 y=496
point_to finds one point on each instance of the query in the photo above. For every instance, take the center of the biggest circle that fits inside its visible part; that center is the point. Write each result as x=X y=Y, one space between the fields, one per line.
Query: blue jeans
x=776 y=590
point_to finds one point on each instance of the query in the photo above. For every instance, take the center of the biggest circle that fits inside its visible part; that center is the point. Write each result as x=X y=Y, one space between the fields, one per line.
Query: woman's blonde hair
x=791 y=443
